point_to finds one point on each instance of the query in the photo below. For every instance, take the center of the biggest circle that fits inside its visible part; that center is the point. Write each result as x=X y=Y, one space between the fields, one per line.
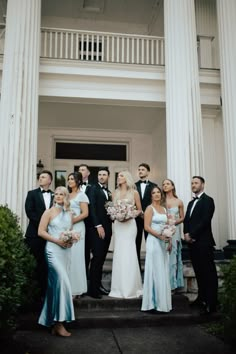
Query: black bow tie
x=43 y=191
x=84 y=183
x=195 y=198
x=143 y=181
x=105 y=188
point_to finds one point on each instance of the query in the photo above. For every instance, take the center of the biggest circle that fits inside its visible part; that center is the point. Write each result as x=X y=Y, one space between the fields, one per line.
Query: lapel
x=139 y=189
x=198 y=204
x=146 y=189
x=40 y=195
x=52 y=197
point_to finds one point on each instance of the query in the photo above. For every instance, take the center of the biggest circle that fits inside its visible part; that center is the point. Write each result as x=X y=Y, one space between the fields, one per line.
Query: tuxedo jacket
x=97 y=211
x=34 y=208
x=146 y=200
x=198 y=225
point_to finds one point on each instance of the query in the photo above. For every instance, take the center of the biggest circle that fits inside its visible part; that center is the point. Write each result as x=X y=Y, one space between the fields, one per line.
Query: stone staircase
x=110 y=312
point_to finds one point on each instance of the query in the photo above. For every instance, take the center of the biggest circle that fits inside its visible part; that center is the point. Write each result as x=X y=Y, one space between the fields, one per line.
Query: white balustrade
x=106 y=47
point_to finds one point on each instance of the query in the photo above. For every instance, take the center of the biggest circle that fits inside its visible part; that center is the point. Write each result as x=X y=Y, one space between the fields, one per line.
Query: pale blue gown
x=156 y=287
x=176 y=265
x=78 y=276
x=58 y=305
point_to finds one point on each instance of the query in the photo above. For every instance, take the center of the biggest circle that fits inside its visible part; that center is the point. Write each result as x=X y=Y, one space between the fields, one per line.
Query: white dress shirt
x=143 y=187
x=195 y=202
x=47 y=199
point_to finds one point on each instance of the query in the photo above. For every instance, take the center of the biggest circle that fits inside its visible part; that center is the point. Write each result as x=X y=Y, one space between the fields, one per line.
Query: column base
x=230 y=249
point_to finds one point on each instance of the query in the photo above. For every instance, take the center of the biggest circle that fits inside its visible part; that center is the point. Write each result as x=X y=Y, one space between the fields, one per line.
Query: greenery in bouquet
x=17 y=287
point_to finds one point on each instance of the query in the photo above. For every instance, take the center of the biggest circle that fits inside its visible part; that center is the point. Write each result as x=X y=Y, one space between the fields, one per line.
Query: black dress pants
x=202 y=257
x=99 y=249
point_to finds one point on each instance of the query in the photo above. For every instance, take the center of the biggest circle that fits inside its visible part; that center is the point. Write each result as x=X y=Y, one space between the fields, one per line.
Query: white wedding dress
x=126 y=279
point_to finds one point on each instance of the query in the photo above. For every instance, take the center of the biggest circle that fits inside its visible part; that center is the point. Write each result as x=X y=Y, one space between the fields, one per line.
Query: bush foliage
x=16 y=270
x=228 y=300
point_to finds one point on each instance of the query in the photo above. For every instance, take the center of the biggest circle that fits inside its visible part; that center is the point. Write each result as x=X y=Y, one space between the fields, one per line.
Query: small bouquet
x=70 y=236
x=121 y=210
x=169 y=229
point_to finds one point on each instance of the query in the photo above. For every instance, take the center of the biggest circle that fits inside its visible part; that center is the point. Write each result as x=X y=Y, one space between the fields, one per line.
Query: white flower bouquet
x=121 y=210
x=70 y=236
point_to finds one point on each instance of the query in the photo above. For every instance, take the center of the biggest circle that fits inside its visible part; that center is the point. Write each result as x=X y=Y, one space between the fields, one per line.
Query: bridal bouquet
x=121 y=210
x=70 y=236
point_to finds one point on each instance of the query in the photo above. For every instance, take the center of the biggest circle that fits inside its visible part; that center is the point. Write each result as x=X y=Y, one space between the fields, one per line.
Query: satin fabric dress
x=58 y=305
x=126 y=279
x=156 y=287
x=176 y=265
x=78 y=277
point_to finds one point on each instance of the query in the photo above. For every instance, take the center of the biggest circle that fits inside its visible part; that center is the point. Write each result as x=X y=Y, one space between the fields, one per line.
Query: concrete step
x=107 y=303
x=109 y=312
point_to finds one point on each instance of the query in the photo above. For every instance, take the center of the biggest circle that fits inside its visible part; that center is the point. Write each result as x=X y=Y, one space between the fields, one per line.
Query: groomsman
x=144 y=187
x=84 y=170
x=198 y=235
x=37 y=201
x=99 y=231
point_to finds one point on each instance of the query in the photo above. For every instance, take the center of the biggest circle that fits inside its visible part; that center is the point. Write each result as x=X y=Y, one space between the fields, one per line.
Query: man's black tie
x=84 y=183
x=195 y=198
x=105 y=188
x=143 y=181
x=43 y=191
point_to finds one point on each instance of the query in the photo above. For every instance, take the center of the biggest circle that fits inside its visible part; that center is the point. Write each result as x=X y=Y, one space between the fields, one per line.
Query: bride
x=126 y=279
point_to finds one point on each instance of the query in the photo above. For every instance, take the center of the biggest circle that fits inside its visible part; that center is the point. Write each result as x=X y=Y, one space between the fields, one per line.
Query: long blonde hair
x=66 y=197
x=129 y=183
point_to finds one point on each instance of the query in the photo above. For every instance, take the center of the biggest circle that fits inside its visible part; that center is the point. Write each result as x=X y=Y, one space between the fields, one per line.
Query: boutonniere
x=52 y=195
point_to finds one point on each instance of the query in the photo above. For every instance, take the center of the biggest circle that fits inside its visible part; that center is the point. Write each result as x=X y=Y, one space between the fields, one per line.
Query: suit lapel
x=139 y=189
x=51 y=202
x=40 y=195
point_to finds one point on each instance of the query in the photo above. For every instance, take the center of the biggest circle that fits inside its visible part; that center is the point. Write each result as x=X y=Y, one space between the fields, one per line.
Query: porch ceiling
x=65 y=115
x=131 y=11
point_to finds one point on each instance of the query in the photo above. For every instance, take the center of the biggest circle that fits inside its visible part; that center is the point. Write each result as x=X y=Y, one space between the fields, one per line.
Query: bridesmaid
x=175 y=209
x=156 y=287
x=79 y=205
x=58 y=305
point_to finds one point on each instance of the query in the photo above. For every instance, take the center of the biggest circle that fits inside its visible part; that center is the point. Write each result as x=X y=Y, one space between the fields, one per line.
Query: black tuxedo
x=198 y=225
x=99 y=247
x=145 y=201
x=35 y=207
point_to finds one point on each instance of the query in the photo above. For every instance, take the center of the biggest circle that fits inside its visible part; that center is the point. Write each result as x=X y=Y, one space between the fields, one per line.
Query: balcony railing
x=119 y=48
x=101 y=47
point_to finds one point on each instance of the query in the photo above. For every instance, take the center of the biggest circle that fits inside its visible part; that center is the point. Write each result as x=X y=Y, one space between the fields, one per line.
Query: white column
x=183 y=107
x=226 y=13
x=19 y=103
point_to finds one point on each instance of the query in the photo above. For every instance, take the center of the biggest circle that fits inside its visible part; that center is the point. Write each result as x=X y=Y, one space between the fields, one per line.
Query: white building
x=156 y=77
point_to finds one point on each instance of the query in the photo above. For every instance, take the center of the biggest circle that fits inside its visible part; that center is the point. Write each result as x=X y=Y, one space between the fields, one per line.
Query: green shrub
x=16 y=270
x=228 y=301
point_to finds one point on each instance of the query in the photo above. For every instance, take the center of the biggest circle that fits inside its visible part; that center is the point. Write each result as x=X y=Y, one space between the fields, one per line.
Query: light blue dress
x=176 y=265
x=78 y=277
x=58 y=305
x=156 y=287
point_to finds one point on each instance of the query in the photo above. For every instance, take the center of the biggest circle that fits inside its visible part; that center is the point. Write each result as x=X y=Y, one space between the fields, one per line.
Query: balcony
x=101 y=47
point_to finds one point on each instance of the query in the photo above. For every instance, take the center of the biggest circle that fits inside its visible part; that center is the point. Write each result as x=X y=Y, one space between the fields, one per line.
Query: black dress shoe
x=196 y=303
x=208 y=310
x=103 y=290
x=95 y=295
